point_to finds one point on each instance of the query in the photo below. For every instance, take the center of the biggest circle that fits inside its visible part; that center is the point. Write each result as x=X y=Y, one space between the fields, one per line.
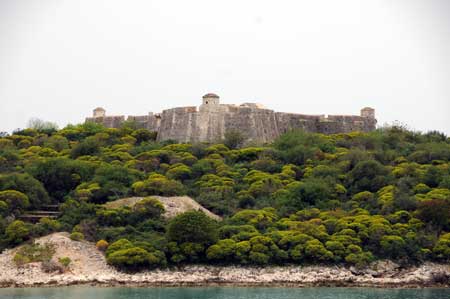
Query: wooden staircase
x=47 y=211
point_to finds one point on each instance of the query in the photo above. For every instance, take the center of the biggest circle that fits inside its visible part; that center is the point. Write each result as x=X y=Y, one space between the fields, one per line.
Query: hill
x=340 y=199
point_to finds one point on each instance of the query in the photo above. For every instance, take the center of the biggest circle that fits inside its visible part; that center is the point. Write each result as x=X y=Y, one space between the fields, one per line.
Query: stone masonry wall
x=259 y=125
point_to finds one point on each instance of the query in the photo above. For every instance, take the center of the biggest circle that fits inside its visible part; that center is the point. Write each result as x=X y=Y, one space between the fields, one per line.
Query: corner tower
x=211 y=102
x=368 y=112
x=99 y=112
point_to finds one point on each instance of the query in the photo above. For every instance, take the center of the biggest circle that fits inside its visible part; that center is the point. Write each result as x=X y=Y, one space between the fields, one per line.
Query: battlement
x=212 y=119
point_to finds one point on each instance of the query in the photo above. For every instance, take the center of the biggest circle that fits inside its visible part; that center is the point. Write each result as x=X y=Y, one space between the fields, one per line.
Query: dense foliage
x=306 y=198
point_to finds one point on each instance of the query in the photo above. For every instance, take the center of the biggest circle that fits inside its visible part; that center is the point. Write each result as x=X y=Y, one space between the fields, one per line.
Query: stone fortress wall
x=258 y=124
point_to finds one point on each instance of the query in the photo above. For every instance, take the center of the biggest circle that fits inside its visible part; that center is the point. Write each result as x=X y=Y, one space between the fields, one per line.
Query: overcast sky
x=59 y=59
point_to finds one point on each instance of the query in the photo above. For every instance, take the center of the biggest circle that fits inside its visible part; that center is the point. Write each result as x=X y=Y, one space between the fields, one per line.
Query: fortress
x=257 y=123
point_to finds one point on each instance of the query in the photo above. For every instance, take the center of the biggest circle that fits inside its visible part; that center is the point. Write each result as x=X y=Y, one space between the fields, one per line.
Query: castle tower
x=368 y=112
x=210 y=102
x=211 y=99
x=99 y=112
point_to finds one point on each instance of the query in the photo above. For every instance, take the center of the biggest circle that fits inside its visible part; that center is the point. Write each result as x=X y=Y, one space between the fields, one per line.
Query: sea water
x=86 y=292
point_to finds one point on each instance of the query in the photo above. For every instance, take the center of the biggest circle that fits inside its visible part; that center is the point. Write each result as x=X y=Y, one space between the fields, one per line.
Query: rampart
x=258 y=124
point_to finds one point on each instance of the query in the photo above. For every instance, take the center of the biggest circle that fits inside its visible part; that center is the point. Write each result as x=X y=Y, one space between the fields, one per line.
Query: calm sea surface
x=221 y=293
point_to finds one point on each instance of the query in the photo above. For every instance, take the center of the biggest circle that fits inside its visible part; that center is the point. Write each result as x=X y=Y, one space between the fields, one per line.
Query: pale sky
x=60 y=59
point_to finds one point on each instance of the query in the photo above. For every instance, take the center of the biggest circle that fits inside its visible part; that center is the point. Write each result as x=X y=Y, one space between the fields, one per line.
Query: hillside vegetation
x=305 y=199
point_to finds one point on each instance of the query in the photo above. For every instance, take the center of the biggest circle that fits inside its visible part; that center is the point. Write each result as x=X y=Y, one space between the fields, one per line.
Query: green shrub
x=65 y=261
x=192 y=226
x=102 y=245
x=17 y=232
x=35 y=252
x=132 y=258
x=76 y=236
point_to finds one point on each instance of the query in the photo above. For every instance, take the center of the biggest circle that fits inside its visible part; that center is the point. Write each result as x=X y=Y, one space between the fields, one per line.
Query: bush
x=133 y=258
x=435 y=211
x=192 y=226
x=76 y=236
x=26 y=184
x=393 y=246
x=368 y=176
x=31 y=253
x=149 y=207
x=65 y=261
x=61 y=175
x=102 y=245
x=87 y=147
x=158 y=184
x=222 y=251
x=360 y=260
x=51 y=267
x=118 y=245
x=233 y=139
x=20 y=259
x=442 y=249
x=315 y=250
x=16 y=201
x=17 y=232
x=47 y=225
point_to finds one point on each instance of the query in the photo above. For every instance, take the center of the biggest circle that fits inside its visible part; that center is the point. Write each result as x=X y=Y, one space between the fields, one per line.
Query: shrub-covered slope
x=306 y=198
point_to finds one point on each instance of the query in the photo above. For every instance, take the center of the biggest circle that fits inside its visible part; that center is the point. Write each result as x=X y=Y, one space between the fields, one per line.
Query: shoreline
x=390 y=276
x=204 y=284
x=89 y=267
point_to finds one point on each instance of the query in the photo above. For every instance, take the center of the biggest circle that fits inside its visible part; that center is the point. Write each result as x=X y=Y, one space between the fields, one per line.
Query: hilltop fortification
x=258 y=124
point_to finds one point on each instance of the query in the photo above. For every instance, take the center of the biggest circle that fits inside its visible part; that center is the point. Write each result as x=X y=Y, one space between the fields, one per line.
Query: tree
x=15 y=200
x=297 y=147
x=42 y=126
x=114 y=181
x=442 y=248
x=310 y=191
x=233 y=138
x=393 y=246
x=149 y=207
x=192 y=226
x=158 y=184
x=368 y=175
x=314 y=249
x=26 y=184
x=259 y=218
x=132 y=258
x=87 y=147
x=57 y=142
x=436 y=212
x=179 y=171
x=17 y=232
x=222 y=251
x=143 y=135
x=118 y=245
x=47 y=226
x=61 y=175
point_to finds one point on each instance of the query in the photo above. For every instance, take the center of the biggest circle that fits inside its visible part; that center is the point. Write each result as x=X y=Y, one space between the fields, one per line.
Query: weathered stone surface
x=259 y=125
x=173 y=205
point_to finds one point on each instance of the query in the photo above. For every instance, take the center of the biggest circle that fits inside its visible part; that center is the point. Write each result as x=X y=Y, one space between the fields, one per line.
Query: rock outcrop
x=173 y=205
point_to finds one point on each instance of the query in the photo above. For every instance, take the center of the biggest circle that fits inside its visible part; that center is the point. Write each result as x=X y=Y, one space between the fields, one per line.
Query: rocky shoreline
x=427 y=275
x=89 y=268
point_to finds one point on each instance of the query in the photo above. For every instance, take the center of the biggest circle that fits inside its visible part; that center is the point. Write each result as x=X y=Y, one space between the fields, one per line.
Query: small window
x=206 y=102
